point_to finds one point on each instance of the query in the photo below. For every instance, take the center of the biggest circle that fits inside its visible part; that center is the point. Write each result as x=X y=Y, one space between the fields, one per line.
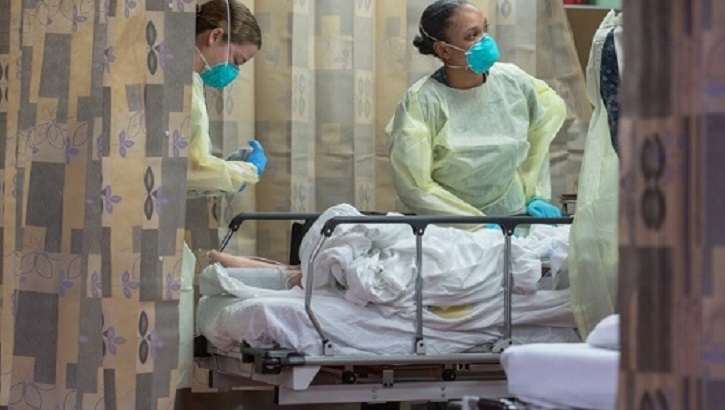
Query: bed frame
x=330 y=378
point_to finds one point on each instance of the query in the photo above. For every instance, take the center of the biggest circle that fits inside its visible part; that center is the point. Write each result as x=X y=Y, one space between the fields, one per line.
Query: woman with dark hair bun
x=473 y=137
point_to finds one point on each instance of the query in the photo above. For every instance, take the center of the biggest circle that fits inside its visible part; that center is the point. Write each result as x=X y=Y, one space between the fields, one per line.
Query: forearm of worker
x=207 y=172
x=431 y=199
x=416 y=188
x=547 y=113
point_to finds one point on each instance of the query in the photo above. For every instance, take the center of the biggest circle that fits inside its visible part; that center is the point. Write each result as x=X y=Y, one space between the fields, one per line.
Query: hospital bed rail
x=419 y=223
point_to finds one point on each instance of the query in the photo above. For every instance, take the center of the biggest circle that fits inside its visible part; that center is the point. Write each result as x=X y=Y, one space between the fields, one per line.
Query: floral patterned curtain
x=93 y=119
x=672 y=244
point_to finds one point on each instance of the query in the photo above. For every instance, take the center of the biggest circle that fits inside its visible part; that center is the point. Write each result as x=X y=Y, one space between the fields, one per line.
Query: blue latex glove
x=498 y=228
x=541 y=209
x=257 y=157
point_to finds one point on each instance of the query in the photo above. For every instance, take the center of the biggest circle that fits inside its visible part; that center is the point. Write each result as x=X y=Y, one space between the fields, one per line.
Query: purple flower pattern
x=111 y=341
x=77 y=18
x=172 y=286
x=109 y=199
x=124 y=143
x=70 y=150
x=155 y=343
x=161 y=200
x=108 y=58
x=64 y=284
x=127 y=6
x=165 y=55
x=178 y=143
x=128 y=284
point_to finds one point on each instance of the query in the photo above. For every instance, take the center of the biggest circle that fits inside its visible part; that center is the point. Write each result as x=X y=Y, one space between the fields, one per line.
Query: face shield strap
x=229 y=31
x=206 y=64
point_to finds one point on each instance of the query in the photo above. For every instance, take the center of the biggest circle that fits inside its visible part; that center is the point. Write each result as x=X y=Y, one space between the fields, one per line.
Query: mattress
x=563 y=375
x=281 y=321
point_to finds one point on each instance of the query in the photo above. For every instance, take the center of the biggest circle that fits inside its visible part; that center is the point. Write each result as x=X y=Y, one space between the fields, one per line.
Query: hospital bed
x=329 y=377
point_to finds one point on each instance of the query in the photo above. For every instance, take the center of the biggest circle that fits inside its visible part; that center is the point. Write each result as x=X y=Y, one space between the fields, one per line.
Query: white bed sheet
x=563 y=375
x=281 y=320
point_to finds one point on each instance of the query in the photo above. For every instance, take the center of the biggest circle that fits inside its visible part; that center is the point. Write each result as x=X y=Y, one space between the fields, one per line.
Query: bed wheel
x=449 y=375
x=349 y=377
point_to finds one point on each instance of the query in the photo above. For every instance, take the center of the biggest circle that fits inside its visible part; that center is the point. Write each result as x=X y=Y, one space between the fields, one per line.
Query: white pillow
x=605 y=334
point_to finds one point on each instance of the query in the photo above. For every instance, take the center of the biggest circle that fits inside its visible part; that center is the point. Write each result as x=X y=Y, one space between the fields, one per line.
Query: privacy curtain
x=326 y=83
x=93 y=126
x=672 y=232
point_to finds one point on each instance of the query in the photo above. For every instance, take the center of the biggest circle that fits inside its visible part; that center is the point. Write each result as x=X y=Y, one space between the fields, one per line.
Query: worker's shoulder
x=511 y=74
x=419 y=89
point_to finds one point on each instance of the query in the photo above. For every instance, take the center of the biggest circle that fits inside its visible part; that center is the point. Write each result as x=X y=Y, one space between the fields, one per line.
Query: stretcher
x=329 y=377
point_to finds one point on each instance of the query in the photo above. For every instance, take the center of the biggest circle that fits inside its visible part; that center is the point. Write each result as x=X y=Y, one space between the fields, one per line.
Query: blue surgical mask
x=480 y=56
x=221 y=74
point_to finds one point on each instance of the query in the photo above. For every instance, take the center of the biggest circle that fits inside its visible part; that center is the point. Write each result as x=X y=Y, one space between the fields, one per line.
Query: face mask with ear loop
x=480 y=56
x=221 y=74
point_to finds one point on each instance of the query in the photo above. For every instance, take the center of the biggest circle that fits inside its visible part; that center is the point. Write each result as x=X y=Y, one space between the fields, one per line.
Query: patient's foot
x=294 y=278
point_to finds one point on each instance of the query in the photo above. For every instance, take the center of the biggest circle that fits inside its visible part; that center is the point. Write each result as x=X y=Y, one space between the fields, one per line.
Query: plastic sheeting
x=593 y=253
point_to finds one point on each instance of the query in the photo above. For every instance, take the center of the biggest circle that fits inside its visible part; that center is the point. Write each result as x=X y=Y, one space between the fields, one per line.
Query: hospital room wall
x=672 y=293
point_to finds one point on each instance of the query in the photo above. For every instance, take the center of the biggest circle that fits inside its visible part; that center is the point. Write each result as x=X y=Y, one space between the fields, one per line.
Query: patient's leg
x=232 y=261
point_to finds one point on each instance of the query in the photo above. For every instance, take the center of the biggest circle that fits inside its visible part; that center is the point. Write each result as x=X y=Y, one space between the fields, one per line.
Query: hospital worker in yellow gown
x=227 y=36
x=473 y=137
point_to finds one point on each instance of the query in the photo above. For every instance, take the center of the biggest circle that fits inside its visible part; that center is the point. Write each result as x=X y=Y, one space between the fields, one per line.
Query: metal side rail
x=239 y=219
x=419 y=225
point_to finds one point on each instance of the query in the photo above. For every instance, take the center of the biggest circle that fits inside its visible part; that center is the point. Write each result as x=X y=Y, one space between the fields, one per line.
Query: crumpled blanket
x=376 y=263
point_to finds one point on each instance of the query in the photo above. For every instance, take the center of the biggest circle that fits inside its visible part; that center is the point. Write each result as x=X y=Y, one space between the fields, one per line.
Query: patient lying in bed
x=380 y=258
x=364 y=281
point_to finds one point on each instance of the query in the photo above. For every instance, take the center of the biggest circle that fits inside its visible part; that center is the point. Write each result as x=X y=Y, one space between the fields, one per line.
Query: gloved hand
x=257 y=157
x=541 y=209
